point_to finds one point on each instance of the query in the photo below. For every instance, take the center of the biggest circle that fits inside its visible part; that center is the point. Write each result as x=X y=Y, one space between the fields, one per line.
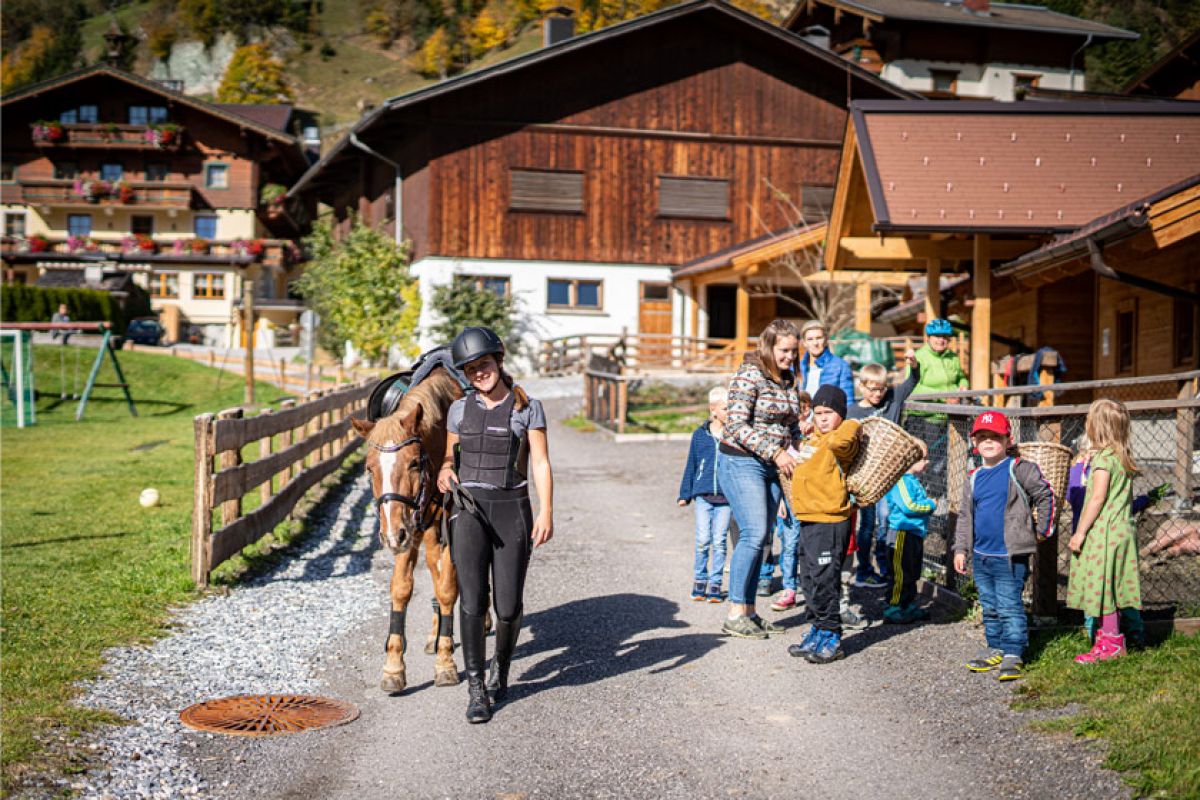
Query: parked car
x=145 y=330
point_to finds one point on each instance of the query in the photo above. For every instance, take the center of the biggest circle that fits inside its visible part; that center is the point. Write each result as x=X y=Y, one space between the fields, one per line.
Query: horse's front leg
x=445 y=589
x=394 y=678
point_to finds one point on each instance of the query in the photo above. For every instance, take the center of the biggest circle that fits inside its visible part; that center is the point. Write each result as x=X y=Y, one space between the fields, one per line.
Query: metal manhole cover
x=267 y=714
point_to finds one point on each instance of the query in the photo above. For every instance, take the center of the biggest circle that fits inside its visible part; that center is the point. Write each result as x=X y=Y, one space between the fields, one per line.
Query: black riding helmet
x=475 y=342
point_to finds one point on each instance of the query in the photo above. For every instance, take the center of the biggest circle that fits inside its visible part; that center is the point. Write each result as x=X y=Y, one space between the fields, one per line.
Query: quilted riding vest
x=489 y=450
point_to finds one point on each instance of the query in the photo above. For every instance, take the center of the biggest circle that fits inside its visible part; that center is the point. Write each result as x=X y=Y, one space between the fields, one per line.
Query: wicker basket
x=885 y=453
x=1054 y=460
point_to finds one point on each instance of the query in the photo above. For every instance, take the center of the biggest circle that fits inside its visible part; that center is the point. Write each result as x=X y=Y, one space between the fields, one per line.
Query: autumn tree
x=363 y=290
x=254 y=76
x=46 y=53
x=434 y=58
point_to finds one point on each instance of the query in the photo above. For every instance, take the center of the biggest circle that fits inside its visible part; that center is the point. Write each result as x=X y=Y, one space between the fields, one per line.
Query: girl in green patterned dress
x=1104 y=567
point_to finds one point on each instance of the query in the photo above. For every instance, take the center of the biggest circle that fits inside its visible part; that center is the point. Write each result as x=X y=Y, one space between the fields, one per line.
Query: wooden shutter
x=817 y=203
x=693 y=198
x=542 y=190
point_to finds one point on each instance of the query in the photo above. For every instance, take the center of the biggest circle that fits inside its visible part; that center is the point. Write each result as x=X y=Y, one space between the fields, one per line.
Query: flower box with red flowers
x=38 y=243
x=48 y=132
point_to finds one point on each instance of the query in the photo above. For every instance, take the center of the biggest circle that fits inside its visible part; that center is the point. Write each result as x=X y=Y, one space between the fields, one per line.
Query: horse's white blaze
x=387 y=462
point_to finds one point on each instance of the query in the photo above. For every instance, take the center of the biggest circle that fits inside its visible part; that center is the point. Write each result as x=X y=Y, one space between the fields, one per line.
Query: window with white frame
x=216 y=176
x=14 y=224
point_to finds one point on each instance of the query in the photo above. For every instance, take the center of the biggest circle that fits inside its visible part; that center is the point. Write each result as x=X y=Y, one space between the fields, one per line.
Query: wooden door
x=654 y=317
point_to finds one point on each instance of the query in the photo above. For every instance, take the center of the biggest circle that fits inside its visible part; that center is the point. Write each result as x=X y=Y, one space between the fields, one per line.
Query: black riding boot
x=506 y=641
x=478 y=707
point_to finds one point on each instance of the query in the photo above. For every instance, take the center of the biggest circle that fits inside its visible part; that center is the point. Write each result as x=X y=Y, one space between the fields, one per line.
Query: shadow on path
x=593 y=636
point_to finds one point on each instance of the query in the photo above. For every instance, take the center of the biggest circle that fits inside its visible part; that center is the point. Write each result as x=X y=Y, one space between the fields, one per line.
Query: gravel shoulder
x=624 y=687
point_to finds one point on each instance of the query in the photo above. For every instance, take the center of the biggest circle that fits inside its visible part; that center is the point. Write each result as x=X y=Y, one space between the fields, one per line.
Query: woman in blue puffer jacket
x=700 y=485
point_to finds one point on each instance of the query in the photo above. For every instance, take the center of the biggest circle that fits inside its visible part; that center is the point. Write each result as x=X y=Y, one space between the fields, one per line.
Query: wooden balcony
x=60 y=193
x=163 y=252
x=111 y=135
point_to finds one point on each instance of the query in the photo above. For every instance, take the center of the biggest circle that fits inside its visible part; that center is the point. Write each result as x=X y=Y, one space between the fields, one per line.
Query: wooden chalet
x=1175 y=75
x=1021 y=197
x=107 y=173
x=973 y=49
x=577 y=176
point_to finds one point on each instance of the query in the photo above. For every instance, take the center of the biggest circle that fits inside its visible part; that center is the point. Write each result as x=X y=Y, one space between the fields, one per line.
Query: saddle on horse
x=386 y=395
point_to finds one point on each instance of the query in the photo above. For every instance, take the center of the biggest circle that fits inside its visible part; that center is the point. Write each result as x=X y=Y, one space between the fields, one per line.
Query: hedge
x=38 y=303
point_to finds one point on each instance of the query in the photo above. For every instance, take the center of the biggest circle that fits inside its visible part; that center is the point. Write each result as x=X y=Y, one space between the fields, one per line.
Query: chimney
x=981 y=7
x=558 y=25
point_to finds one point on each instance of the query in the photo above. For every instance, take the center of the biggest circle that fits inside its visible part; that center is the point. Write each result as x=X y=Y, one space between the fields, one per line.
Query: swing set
x=19 y=383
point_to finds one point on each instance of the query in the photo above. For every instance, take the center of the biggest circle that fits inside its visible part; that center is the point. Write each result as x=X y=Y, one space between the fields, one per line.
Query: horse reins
x=421 y=503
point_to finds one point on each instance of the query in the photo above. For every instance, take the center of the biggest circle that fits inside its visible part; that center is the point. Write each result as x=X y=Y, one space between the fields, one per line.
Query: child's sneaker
x=1106 y=648
x=714 y=593
x=764 y=587
x=914 y=613
x=786 y=600
x=1011 y=669
x=894 y=615
x=869 y=581
x=988 y=659
x=852 y=621
x=769 y=627
x=827 y=650
x=807 y=644
x=698 y=590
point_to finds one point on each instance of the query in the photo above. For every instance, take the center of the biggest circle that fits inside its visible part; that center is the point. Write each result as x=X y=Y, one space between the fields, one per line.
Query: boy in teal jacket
x=909 y=509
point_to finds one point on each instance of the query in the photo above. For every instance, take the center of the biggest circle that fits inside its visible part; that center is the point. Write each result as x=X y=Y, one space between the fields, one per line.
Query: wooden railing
x=298 y=445
x=288 y=376
x=659 y=351
x=58 y=191
x=606 y=398
x=107 y=134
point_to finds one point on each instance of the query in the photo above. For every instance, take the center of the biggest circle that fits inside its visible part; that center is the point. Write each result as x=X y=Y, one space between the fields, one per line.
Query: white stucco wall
x=528 y=283
x=979 y=80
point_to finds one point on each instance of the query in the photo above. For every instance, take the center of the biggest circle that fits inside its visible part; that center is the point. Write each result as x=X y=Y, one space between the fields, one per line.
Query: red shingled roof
x=275 y=115
x=1018 y=167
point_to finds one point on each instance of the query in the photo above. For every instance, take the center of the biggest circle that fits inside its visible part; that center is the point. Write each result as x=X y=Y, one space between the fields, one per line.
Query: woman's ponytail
x=521 y=399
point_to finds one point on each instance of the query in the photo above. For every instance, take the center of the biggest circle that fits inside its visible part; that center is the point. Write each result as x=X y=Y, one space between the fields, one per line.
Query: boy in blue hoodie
x=909 y=509
x=699 y=485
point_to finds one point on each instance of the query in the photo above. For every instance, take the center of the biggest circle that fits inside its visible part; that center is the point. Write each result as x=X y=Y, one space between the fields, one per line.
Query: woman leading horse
x=499 y=434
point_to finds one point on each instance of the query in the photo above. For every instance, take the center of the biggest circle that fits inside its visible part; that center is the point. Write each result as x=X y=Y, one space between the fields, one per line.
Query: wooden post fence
x=324 y=442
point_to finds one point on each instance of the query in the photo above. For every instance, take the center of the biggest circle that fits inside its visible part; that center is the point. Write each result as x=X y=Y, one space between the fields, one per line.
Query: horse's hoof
x=446 y=677
x=430 y=646
x=393 y=683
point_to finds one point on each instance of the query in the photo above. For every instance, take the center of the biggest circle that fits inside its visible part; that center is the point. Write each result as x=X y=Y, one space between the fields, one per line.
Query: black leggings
x=502 y=544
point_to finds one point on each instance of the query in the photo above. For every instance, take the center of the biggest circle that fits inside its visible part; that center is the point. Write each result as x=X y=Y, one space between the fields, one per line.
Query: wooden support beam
x=933 y=289
x=981 y=314
x=862 y=307
x=855 y=277
x=742 y=326
x=694 y=293
x=900 y=248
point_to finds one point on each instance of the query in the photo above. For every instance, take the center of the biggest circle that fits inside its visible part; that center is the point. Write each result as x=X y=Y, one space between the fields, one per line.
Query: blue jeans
x=712 y=530
x=871 y=539
x=1000 y=581
x=754 y=493
x=788 y=530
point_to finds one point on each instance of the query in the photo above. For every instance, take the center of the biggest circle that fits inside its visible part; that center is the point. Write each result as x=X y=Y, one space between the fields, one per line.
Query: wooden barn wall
x=1177 y=265
x=559 y=115
x=1064 y=312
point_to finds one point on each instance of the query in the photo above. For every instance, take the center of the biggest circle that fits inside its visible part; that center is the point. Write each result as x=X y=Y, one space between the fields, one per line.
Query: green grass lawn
x=85 y=567
x=1145 y=706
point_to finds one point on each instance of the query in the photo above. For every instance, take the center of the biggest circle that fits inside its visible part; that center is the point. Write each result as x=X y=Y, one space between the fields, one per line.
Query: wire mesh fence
x=1165 y=415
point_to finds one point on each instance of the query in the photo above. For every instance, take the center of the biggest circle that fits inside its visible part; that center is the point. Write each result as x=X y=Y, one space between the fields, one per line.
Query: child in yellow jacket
x=821 y=503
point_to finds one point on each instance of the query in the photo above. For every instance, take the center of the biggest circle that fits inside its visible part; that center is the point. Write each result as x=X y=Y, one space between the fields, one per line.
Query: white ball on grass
x=149 y=498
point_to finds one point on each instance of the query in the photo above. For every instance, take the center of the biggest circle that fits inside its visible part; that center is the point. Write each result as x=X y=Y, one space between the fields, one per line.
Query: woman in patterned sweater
x=763 y=423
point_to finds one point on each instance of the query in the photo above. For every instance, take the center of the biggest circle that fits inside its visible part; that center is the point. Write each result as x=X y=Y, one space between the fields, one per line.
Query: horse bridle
x=421 y=503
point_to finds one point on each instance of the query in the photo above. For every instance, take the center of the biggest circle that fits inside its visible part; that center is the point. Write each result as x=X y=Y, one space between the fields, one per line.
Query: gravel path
x=624 y=687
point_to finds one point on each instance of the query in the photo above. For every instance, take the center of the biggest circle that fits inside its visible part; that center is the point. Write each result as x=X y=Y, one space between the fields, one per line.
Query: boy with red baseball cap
x=996 y=526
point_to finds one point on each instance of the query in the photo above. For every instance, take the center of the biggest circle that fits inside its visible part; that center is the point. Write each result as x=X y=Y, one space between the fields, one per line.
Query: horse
x=405 y=452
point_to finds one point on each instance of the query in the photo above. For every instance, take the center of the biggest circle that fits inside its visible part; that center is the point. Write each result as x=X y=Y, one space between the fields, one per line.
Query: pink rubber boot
x=1107 y=647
